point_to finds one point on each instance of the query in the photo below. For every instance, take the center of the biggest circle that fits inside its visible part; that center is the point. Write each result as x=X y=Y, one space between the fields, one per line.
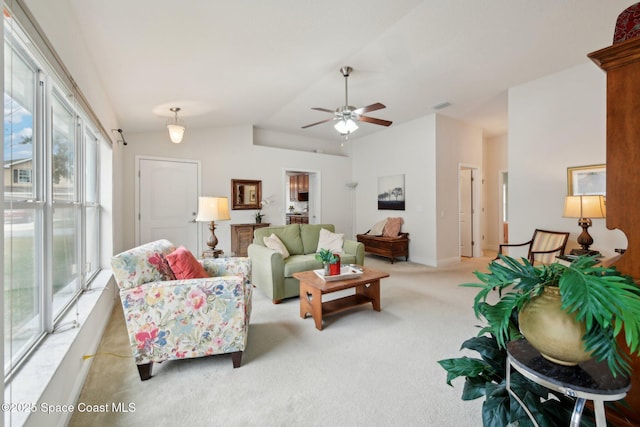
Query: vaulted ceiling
x=266 y=63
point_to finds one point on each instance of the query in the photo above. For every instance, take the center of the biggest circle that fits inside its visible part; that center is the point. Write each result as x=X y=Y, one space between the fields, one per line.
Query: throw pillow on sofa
x=184 y=265
x=272 y=242
x=330 y=241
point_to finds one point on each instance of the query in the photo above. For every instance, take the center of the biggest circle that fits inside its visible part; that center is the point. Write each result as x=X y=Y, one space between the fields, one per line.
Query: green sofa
x=273 y=275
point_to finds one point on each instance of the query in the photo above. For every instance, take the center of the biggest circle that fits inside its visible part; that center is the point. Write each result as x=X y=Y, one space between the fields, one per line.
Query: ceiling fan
x=347 y=115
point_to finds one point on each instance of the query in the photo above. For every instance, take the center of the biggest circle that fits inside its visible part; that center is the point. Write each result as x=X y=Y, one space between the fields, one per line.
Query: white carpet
x=365 y=368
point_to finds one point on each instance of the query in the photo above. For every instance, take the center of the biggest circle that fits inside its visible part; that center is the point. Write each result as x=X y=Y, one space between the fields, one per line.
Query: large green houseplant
x=607 y=302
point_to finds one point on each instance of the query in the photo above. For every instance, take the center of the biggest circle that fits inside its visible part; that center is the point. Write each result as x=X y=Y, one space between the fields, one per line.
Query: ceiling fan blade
x=372 y=107
x=323 y=109
x=317 y=123
x=374 y=121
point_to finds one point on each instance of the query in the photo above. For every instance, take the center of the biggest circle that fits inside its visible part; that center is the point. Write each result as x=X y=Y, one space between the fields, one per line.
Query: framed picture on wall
x=391 y=192
x=587 y=180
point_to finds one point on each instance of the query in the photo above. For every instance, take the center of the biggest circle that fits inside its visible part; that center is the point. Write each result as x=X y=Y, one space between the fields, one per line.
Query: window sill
x=56 y=371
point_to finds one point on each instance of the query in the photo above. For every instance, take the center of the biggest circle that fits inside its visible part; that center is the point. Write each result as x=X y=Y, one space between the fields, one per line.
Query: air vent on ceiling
x=441 y=105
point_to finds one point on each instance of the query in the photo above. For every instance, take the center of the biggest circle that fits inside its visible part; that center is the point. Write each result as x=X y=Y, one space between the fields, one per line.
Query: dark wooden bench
x=389 y=247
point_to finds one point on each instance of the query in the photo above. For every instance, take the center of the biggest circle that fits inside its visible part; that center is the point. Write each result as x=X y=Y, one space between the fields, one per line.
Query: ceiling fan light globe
x=346 y=127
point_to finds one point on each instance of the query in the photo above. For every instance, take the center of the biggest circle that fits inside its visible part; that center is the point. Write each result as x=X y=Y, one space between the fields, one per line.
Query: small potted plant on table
x=330 y=261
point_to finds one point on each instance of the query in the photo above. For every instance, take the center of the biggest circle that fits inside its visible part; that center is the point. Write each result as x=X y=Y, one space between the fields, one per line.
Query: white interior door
x=466 y=212
x=168 y=201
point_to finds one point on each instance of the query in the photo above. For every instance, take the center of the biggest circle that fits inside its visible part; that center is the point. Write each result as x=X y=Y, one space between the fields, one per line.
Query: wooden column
x=621 y=62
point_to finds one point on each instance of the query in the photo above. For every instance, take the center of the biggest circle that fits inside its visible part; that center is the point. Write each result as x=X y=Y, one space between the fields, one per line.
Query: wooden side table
x=242 y=237
x=590 y=380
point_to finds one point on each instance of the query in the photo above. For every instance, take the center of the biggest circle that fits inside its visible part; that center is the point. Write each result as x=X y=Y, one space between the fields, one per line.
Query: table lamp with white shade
x=584 y=208
x=211 y=209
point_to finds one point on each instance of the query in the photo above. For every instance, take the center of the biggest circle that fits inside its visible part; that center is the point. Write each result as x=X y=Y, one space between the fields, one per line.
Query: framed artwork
x=245 y=194
x=391 y=192
x=587 y=180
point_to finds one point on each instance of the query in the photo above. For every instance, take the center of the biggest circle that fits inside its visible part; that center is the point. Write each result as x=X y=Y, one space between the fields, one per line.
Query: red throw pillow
x=184 y=265
x=392 y=227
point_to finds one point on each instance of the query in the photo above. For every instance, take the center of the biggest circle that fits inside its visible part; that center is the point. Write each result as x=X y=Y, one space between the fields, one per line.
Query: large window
x=51 y=199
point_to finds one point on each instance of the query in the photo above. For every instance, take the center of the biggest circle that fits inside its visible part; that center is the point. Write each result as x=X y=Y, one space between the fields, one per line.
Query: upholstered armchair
x=169 y=318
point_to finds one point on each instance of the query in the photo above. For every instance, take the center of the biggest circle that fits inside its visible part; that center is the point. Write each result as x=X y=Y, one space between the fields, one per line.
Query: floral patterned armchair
x=177 y=319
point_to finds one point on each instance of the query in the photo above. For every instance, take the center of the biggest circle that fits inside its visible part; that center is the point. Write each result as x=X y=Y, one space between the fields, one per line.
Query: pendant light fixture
x=176 y=127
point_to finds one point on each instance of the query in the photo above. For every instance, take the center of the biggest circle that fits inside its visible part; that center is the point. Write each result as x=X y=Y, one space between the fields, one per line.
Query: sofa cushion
x=184 y=265
x=272 y=242
x=331 y=241
x=310 y=233
x=298 y=263
x=290 y=236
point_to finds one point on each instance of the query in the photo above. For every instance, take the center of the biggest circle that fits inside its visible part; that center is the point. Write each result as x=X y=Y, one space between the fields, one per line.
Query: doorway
x=503 y=223
x=468 y=220
x=302 y=197
x=167 y=201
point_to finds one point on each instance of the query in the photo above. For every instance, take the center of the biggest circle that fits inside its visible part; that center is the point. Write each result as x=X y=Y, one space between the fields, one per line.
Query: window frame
x=41 y=198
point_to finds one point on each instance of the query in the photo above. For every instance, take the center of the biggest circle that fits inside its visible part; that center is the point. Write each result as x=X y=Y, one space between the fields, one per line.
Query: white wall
x=555 y=122
x=229 y=153
x=458 y=144
x=495 y=161
x=407 y=149
x=428 y=152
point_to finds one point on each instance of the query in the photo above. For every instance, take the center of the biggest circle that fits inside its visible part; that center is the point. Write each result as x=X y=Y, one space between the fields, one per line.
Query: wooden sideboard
x=242 y=237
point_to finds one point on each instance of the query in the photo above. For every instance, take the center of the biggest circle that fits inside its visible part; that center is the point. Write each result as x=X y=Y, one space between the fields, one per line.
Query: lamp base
x=212 y=253
x=584 y=252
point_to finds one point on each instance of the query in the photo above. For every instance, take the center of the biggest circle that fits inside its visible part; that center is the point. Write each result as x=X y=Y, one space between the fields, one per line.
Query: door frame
x=136 y=217
x=475 y=208
x=502 y=206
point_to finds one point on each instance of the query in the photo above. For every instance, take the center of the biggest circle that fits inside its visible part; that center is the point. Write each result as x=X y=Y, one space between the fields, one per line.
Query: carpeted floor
x=365 y=368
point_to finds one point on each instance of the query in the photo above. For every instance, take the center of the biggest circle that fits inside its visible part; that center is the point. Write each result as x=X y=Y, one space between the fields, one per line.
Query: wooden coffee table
x=312 y=287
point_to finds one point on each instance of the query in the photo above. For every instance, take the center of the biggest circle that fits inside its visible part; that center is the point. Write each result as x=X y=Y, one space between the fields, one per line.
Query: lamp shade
x=346 y=126
x=175 y=126
x=213 y=209
x=585 y=207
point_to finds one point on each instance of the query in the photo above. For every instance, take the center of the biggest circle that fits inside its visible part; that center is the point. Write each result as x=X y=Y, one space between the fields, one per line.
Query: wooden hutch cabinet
x=621 y=62
x=242 y=237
